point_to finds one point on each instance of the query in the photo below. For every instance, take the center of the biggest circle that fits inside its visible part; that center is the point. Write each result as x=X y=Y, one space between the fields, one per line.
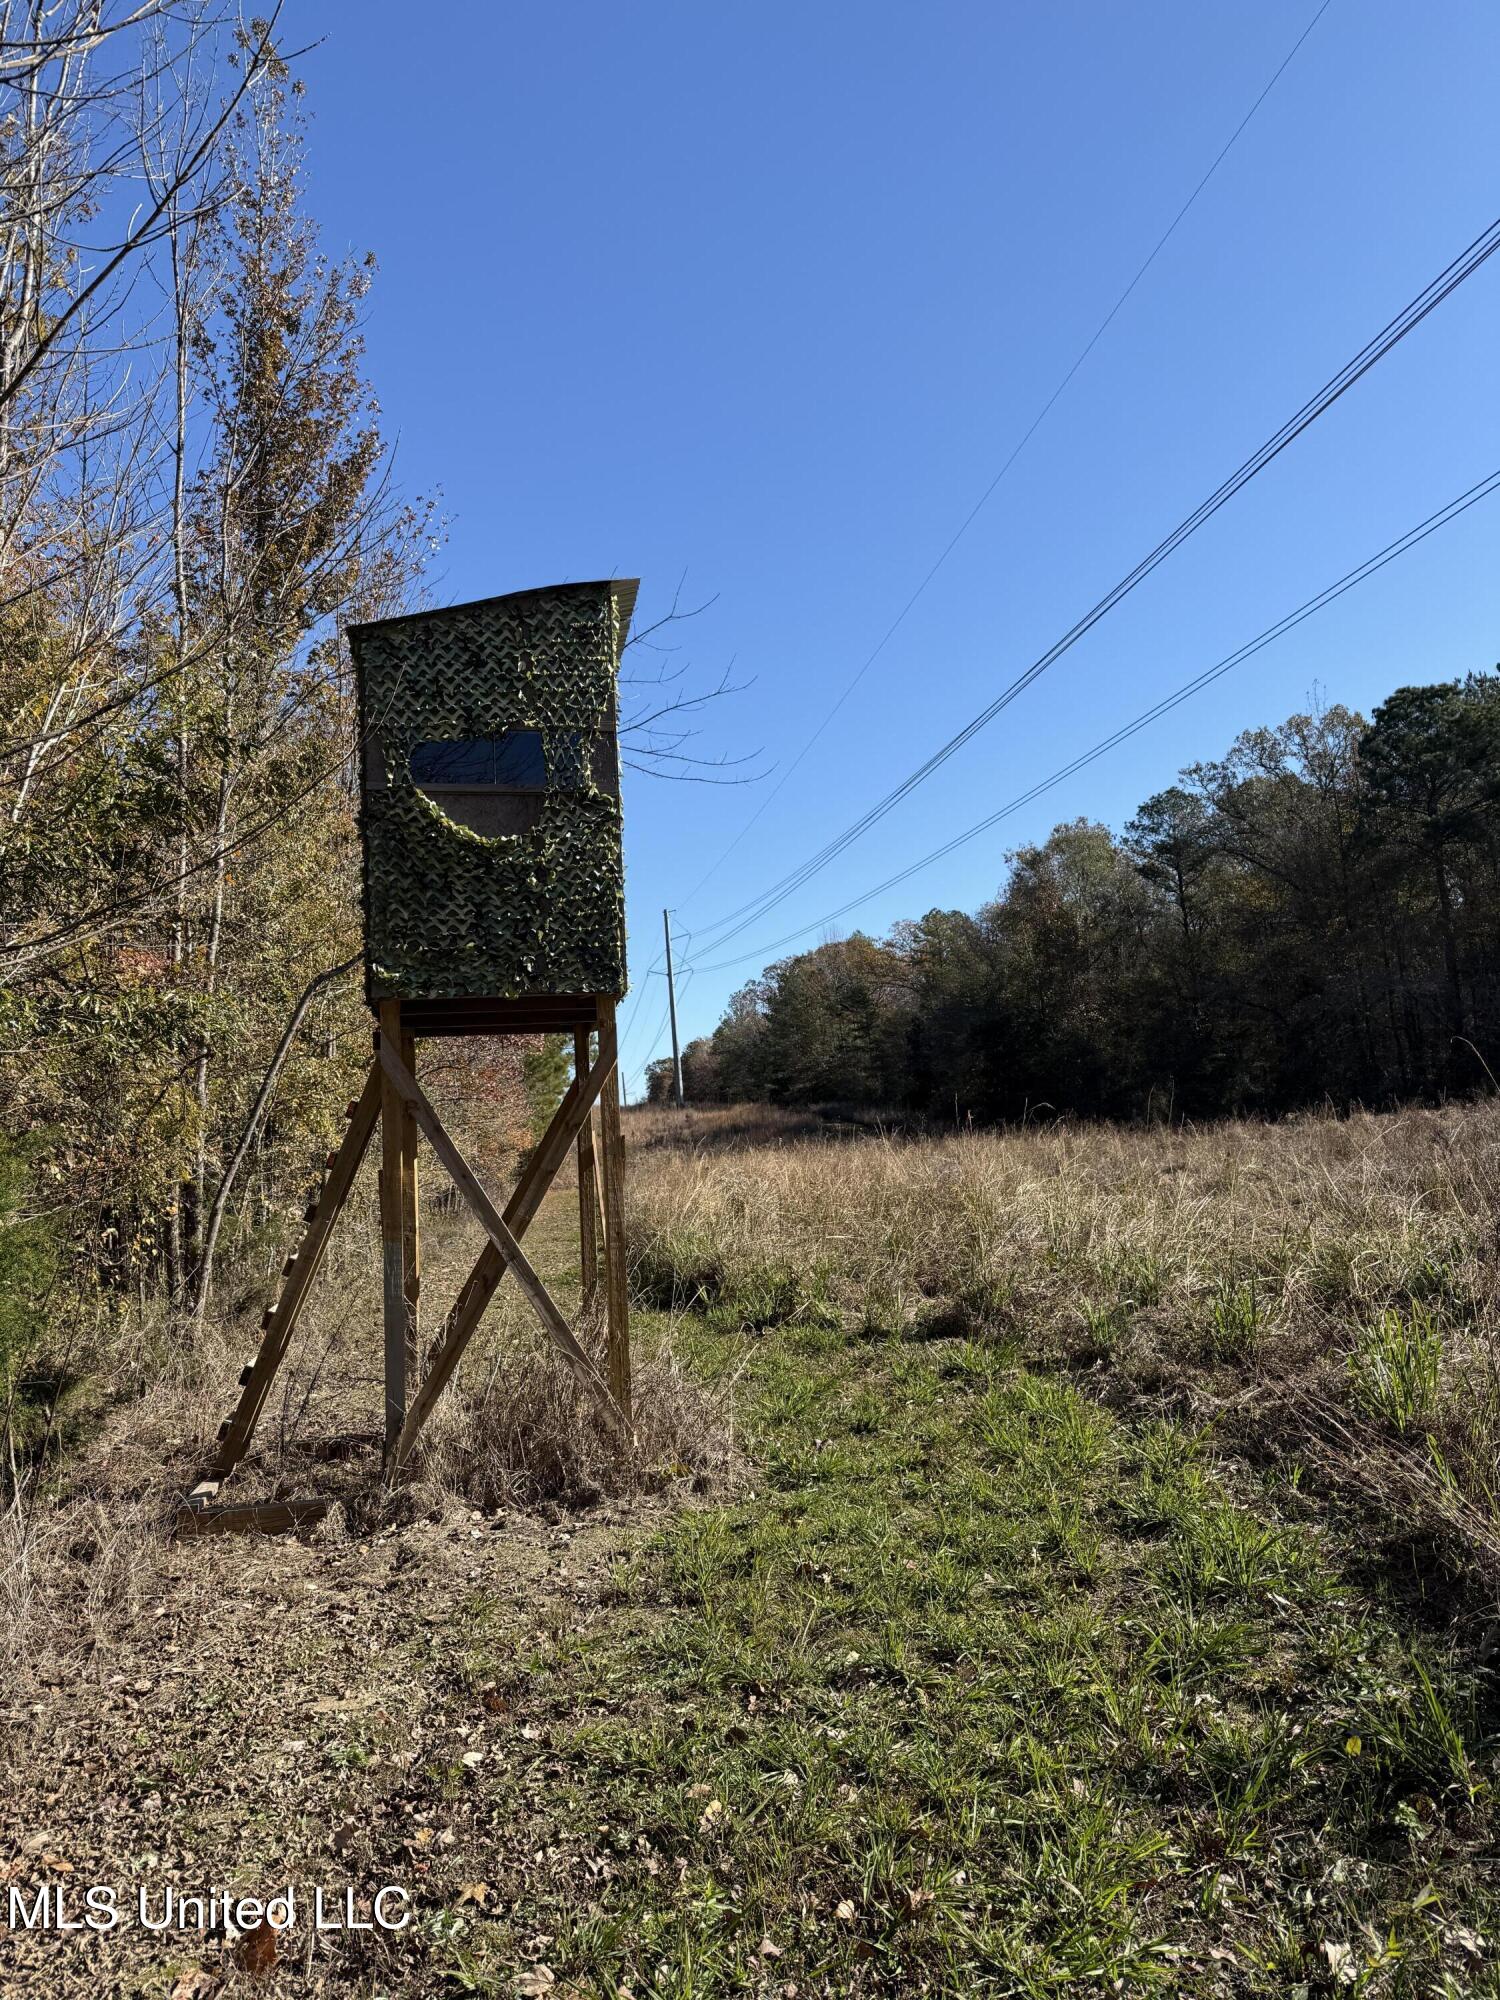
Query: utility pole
x=666 y=924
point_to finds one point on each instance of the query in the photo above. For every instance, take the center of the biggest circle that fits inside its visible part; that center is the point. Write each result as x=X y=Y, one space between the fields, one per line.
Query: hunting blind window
x=516 y=761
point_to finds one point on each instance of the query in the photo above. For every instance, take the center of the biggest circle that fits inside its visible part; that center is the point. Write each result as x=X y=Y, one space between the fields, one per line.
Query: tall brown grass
x=1323 y=1290
x=1326 y=1289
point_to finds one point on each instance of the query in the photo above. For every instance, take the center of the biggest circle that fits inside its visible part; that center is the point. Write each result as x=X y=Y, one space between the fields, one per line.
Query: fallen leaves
x=256 y=1952
x=341 y=1704
x=195 y=1985
x=1343 y=1967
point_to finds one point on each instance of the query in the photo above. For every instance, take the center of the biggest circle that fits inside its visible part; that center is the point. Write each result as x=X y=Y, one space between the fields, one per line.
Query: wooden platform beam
x=264 y=1517
x=532 y=1014
x=411 y=1223
x=393 y=1232
x=588 y=1184
x=393 y=1095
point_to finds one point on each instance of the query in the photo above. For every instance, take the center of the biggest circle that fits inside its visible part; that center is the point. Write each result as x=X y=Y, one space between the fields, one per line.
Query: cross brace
x=391 y=1092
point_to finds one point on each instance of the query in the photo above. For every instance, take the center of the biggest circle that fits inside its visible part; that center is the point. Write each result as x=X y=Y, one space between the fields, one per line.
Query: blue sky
x=758 y=300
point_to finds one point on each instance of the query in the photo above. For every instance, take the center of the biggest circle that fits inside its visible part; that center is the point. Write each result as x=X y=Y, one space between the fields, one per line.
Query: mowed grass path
x=978 y=1690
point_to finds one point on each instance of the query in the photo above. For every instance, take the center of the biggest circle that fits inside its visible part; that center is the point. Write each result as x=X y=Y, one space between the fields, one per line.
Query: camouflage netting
x=449 y=912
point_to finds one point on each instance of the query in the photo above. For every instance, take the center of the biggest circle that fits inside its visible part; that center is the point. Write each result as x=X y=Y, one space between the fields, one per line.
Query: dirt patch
x=326 y=1714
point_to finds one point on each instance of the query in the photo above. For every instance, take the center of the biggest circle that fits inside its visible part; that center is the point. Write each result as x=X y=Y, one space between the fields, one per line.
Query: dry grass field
x=1324 y=1283
x=1058 y=1561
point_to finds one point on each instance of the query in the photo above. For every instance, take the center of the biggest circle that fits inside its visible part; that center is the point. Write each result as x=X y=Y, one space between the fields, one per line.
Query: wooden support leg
x=234 y=1438
x=588 y=1184
x=468 y=1184
x=489 y=1267
x=393 y=1230
x=411 y=1215
x=613 y=1160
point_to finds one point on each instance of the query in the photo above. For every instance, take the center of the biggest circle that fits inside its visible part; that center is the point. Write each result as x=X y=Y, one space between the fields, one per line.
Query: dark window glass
x=520 y=761
x=514 y=760
x=465 y=763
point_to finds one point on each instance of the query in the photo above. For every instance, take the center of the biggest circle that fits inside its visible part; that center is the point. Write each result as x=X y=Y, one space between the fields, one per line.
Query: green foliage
x=1396 y=1367
x=983 y=1691
x=680 y=1273
x=29 y=1264
x=28 y=1258
x=1237 y=1317
x=545 y=1069
x=174 y=874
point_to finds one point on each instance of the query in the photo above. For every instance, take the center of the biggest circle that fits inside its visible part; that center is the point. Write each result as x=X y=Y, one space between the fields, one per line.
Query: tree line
x=1314 y=917
x=194 y=496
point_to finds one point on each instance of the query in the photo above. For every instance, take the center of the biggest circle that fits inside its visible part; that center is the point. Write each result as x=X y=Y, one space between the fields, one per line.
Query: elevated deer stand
x=491 y=837
x=393 y=1098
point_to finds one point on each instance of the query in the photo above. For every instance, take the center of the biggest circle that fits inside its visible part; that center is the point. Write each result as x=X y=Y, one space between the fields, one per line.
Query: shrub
x=28 y=1268
x=1237 y=1319
x=1395 y=1366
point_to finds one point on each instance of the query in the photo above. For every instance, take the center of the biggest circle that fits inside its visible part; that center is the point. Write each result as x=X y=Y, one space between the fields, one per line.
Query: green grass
x=982 y=1691
x=1396 y=1366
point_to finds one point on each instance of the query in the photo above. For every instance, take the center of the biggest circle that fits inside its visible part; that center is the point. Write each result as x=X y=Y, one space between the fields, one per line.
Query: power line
x=641 y=1068
x=651 y=971
x=1406 y=321
x=635 y=1005
x=1399 y=547
x=1035 y=425
x=666 y=925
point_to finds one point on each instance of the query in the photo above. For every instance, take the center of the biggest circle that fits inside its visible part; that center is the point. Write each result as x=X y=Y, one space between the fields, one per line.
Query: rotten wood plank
x=249 y=1517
